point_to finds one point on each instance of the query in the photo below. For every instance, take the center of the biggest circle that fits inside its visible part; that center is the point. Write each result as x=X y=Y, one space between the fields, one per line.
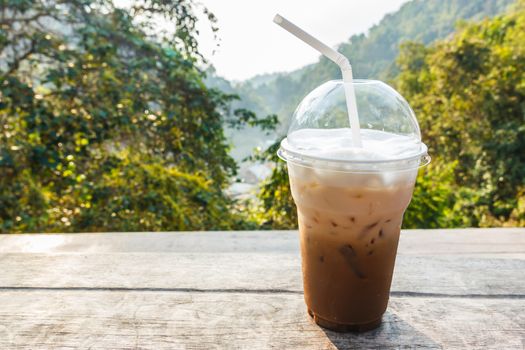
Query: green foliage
x=105 y=126
x=140 y=194
x=246 y=117
x=275 y=208
x=433 y=197
x=469 y=95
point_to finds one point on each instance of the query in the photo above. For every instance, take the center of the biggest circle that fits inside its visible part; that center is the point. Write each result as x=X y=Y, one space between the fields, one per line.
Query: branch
x=16 y=63
x=9 y=21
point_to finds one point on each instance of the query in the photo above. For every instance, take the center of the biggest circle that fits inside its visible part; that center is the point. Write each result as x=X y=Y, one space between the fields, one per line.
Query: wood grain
x=237 y=290
x=177 y=320
x=499 y=241
x=250 y=271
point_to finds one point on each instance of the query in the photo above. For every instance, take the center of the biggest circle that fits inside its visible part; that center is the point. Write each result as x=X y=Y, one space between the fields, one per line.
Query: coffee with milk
x=351 y=200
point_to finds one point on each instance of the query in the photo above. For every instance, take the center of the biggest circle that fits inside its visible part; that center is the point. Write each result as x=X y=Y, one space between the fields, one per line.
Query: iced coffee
x=351 y=197
x=349 y=226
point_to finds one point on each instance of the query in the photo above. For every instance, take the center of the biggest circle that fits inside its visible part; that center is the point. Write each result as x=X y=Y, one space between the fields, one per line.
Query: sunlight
x=40 y=244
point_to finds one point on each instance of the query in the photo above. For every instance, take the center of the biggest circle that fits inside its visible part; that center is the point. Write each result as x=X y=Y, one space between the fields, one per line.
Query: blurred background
x=128 y=115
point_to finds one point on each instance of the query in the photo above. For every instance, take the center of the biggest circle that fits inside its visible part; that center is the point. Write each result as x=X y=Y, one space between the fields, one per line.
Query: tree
x=106 y=124
x=468 y=93
x=274 y=207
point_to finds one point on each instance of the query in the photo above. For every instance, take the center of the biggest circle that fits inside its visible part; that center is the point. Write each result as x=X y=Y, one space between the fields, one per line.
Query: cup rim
x=414 y=161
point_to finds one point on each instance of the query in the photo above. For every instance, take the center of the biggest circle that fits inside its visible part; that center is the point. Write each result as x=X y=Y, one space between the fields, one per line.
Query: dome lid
x=320 y=130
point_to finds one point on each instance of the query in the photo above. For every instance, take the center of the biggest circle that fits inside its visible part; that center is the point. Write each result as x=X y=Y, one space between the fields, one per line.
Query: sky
x=251 y=44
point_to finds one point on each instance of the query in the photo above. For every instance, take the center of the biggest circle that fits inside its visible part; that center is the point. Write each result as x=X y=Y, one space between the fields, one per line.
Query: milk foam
x=366 y=167
x=336 y=144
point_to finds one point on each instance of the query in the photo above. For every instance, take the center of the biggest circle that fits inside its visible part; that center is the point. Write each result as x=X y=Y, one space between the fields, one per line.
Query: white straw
x=341 y=61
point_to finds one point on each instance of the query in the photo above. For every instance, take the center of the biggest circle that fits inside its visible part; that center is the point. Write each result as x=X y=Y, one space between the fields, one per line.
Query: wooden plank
x=452 y=289
x=502 y=241
x=125 y=242
x=254 y=271
x=177 y=320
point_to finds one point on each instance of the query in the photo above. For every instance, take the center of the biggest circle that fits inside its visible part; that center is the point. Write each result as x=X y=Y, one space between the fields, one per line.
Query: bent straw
x=341 y=61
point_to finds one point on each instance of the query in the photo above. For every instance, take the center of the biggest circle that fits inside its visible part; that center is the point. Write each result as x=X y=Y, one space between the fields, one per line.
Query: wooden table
x=452 y=289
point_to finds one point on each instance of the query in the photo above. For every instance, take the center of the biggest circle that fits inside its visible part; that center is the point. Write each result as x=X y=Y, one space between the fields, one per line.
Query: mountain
x=372 y=55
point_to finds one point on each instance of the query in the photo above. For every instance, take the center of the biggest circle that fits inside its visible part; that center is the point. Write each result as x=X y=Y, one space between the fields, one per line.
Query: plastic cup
x=350 y=208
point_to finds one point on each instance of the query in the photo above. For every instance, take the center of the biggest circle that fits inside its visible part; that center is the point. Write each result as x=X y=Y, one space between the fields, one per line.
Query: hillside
x=372 y=55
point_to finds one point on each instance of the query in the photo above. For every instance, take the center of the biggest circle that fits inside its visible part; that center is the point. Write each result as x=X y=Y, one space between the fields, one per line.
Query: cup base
x=345 y=328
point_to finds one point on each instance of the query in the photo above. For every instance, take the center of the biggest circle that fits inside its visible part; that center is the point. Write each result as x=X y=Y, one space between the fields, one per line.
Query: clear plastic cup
x=351 y=202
